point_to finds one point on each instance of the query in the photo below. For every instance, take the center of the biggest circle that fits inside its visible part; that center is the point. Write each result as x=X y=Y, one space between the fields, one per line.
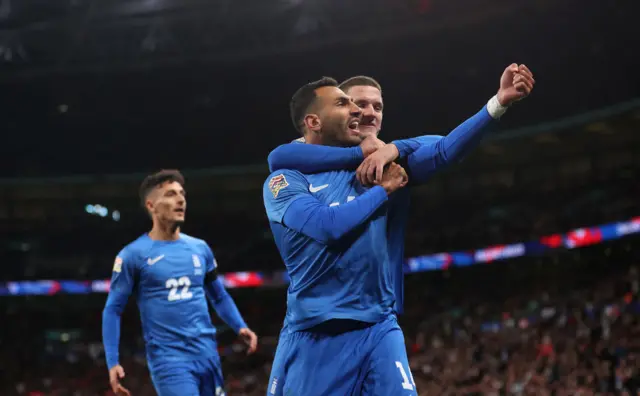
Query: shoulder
x=285 y=179
x=199 y=244
x=136 y=249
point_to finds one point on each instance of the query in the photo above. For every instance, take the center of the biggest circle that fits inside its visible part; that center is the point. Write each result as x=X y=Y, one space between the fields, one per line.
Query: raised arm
x=428 y=158
x=425 y=157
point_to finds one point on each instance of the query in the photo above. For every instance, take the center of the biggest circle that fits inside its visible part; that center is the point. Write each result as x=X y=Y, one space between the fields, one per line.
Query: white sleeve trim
x=495 y=109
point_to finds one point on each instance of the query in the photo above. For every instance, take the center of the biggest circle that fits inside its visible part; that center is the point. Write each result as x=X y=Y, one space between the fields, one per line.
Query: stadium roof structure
x=62 y=36
x=96 y=87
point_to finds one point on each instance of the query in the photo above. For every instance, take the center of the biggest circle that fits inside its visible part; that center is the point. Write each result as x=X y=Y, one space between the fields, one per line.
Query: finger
x=362 y=176
x=522 y=77
x=362 y=169
x=123 y=391
x=512 y=68
x=120 y=372
x=524 y=83
x=359 y=172
x=371 y=173
x=525 y=70
x=523 y=89
x=379 y=171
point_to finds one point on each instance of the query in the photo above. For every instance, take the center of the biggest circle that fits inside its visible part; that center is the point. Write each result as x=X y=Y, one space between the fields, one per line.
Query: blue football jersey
x=166 y=278
x=350 y=279
x=397 y=219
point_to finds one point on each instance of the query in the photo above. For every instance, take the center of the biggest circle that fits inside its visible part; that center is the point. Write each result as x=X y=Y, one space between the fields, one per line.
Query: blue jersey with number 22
x=167 y=279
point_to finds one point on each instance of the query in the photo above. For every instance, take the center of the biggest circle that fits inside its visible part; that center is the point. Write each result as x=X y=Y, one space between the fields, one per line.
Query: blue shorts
x=364 y=360
x=188 y=378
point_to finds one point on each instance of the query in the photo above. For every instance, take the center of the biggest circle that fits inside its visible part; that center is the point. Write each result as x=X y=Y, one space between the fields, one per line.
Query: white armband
x=495 y=109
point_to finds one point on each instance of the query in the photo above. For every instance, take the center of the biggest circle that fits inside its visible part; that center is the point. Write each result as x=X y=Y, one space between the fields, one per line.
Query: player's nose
x=355 y=111
x=367 y=111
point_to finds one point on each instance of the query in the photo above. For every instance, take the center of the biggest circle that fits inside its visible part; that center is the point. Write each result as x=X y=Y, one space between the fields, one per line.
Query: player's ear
x=312 y=122
x=148 y=204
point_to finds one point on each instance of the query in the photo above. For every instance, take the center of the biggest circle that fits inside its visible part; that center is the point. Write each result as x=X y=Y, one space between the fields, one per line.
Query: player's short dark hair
x=360 y=81
x=157 y=179
x=304 y=97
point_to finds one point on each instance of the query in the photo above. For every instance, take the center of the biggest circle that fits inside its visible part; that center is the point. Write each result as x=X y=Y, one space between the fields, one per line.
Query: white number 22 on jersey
x=405 y=380
x=174 y=284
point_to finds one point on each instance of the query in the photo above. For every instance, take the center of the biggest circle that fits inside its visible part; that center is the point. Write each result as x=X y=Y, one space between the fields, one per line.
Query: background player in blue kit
x=428 y=153
x=170 y=273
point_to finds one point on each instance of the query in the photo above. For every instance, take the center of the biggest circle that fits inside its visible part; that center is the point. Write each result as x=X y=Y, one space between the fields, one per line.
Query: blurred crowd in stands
x=565 y=324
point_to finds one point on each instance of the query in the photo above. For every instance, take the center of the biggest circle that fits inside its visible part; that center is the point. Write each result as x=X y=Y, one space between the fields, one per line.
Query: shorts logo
x=117 y=265
x=277 y=183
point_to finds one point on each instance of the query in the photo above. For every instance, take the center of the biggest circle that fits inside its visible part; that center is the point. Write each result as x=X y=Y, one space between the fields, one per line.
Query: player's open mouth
x=179 y=210
x=354 y=126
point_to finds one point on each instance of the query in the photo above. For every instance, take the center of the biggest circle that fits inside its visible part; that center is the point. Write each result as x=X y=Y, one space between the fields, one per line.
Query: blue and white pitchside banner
x=577 y=238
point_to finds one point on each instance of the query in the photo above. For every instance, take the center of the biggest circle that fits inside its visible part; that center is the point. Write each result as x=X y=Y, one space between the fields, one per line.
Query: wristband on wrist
x=495 y=109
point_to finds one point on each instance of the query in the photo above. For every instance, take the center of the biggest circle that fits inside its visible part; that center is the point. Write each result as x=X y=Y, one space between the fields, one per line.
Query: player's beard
x=176 y=224
x=341 y=136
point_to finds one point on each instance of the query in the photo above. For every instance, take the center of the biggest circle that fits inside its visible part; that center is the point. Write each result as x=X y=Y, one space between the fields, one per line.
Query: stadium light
x=102 y=211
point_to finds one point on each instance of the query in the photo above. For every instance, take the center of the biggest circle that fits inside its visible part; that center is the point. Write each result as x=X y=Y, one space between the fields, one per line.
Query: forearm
x=456 y=141
x=313 y=158
x=111 y=327
x=224 y=305
x=328 y=224
x=431 y=157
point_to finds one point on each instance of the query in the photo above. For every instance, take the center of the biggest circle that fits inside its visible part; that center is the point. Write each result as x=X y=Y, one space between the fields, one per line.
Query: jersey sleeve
x=314 y=158
x=211 y=265
x=280 y=190
x=289 y=202
x=124 y=276
x=434 y=155
x=409 y=146
x=222 y=302
x=122 y=285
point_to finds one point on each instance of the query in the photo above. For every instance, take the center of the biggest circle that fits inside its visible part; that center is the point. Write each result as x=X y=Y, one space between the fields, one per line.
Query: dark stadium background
x=95 y=94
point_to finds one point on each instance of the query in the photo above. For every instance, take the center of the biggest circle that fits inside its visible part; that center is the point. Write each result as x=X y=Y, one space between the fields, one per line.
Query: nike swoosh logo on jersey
x=151 y=261
x=316 y=189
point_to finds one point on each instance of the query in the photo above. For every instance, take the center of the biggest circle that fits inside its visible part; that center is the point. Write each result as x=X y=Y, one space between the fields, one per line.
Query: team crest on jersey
x=117 y=265
x=277 y=183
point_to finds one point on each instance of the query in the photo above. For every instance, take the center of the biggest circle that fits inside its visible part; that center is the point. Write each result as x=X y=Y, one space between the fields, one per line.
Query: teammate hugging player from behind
x=342 y=242
x=170 y=273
